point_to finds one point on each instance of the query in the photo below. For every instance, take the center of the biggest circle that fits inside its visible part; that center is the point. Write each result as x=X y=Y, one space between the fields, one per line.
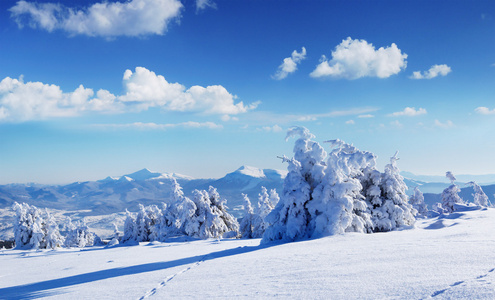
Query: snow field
x=451 y=256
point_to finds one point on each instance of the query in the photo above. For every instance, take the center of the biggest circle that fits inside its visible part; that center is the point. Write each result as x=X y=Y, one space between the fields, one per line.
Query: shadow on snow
x=45 y=288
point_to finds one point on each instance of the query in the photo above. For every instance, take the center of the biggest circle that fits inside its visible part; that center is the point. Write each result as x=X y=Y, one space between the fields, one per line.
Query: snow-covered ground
x=451 y=256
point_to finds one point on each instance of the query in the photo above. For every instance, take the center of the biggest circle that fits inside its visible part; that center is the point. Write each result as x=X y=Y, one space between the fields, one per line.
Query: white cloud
x=21 y=101
x=145 y=89
x=106 y=19
x=290 y=64
x=203 y=4
x=366 y=116
x=354 y=59
x=274 y=128
x=409 y=112
x=350 y=122
x=154 y=126
x=446 y=125
x=434 y=71
x=485 y=111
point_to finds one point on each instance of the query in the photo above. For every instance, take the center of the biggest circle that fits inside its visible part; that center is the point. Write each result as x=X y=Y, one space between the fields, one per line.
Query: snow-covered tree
x=211 y=215
x=339 y=195
x=264 y=208
x=341 y=206
x=79 y=236
x=480 y=198
x=450 y=195
x=274 y=197
x=246 y=225
x=417 y=200
x=180 y=217
x=53 y=238
x=130 y=229
x=23 y=224
x=319 y=198
x=393 y=210
x=35 y=229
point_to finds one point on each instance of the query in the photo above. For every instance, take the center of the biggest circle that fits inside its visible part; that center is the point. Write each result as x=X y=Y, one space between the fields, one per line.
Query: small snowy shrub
x=480 y=198
x=450 y=195
x=417 y=200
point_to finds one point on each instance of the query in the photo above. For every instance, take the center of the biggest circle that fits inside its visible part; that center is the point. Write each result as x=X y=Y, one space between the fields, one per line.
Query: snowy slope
x=443 y=258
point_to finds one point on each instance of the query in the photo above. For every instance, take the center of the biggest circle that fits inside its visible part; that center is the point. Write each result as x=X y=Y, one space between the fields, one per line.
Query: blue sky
x=201 y=88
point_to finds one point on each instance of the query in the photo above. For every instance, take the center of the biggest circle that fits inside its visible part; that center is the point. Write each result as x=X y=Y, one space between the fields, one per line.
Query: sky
x=90 y=89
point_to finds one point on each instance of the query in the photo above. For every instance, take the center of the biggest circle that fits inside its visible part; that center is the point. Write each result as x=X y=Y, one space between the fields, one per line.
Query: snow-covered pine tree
x=23 y=225
x=53 y=239
x=180 y=217
x=130 y=229
x=264 y=208
x=274 y=197
x=417 y=200
x=219 y=208
x=341 y=207
x=290 y=219
x=146 y=219
x=450 y=195
x=34 y=229
x=211 y=216
x=394 y=211
x=480 y=198
x=246 y=225
x=79 y=236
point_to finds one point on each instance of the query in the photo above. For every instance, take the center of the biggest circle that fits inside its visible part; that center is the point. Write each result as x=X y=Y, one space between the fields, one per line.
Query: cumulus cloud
x=434 y=71
x=446 y=125
x=485 y=111
x=105 y=19
x=145 y=89
x=409 y=112
x=155 y=126
x=350 y=122
x=20 y=101
x=354 y=59
x=289 y=64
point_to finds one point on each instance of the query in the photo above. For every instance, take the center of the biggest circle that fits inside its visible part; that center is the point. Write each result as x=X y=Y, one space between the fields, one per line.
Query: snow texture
x=446 y=257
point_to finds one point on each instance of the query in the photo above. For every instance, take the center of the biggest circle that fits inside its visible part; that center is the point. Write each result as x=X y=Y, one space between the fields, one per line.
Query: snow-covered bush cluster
x=338 y=192
x=37 y=229
x=79 y=236
x=204 y=216
x=253 y=224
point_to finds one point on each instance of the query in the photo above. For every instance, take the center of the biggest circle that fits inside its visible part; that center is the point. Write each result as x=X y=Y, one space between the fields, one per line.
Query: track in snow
x=480 y=280
x=169 y=278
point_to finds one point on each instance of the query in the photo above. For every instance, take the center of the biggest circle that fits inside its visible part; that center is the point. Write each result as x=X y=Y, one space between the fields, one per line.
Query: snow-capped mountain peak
x=251 y=171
